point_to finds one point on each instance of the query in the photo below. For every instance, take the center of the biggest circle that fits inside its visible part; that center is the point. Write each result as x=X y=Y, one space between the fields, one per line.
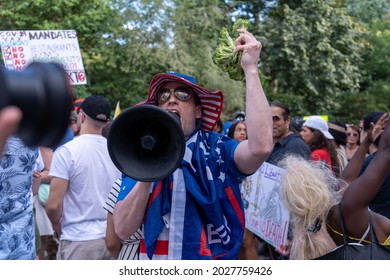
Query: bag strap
x=345 y=233
x=373 y=237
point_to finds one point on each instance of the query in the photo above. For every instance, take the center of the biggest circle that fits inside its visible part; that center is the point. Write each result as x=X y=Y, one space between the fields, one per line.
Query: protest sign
x=265 y=213
x=20 y=48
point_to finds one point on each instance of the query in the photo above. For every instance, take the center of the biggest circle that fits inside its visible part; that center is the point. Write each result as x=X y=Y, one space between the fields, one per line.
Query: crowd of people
x=71 y=202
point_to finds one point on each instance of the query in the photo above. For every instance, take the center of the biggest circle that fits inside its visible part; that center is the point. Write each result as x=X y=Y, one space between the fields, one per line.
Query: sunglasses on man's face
x=352 y=134
x=181 y=93
x=276 y=118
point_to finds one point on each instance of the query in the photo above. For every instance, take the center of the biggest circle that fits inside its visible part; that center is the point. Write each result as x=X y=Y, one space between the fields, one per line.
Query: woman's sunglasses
x=352 y=134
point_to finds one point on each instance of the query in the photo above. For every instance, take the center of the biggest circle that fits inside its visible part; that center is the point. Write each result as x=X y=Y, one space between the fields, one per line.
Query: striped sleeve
x=112 y=197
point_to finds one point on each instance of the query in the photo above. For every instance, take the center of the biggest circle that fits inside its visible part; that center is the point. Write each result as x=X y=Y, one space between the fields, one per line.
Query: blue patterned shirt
x=17 y=232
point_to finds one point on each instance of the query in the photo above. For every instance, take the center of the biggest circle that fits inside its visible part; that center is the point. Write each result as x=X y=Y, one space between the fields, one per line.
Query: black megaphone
x=146 y=142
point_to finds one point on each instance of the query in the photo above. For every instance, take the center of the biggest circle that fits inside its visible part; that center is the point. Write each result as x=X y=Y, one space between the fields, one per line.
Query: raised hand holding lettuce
x=224 y=57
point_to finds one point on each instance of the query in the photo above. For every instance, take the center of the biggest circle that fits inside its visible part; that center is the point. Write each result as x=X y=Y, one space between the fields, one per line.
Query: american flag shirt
x=197 y=212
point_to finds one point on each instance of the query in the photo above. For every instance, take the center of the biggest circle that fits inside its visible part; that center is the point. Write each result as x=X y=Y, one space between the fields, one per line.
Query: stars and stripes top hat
x=212 y=102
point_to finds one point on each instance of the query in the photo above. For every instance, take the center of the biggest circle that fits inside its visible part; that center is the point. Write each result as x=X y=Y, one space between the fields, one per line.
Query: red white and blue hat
x=212 y=102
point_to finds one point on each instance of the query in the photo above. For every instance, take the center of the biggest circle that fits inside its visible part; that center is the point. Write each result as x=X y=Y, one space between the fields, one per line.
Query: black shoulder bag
x=355 y=251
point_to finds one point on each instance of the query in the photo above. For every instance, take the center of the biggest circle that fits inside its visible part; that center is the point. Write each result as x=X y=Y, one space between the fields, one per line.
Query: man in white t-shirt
x=82 y=175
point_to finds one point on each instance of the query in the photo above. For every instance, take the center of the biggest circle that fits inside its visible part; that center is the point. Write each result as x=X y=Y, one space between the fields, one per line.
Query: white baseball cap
x=318 y=122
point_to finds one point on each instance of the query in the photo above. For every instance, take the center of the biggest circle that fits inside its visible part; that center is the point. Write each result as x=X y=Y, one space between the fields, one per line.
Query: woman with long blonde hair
x=309 y=191
x=315 y=197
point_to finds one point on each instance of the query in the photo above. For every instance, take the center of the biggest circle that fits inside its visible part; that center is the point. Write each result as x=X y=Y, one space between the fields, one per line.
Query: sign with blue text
x=20 y=48
x=265 y=213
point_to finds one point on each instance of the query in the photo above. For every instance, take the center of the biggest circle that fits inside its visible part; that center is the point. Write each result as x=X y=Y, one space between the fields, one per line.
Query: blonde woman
x=312 y=193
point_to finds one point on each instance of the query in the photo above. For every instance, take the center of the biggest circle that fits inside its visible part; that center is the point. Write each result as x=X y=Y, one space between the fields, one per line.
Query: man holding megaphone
x=196 y=211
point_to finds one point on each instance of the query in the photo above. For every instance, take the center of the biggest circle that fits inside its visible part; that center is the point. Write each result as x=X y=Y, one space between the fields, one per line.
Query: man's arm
x=58 y=188
x=10 y=118
x=250 y=154
x=47 y=155
x=113 y=242
x=129 y=212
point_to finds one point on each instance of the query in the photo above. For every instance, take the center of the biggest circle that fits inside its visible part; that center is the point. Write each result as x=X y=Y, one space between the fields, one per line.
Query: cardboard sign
x=265 y=213
x=20 y=48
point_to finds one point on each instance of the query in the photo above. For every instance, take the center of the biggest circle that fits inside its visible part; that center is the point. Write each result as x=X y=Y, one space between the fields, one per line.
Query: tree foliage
x=368 y=11
x=320 y=57
x=196 y=30
x=375 y=87
x=311 y=52
x=95 y=21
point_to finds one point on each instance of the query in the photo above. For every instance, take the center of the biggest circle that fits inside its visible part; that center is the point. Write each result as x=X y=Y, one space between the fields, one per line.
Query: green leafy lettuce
x=223 y=55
